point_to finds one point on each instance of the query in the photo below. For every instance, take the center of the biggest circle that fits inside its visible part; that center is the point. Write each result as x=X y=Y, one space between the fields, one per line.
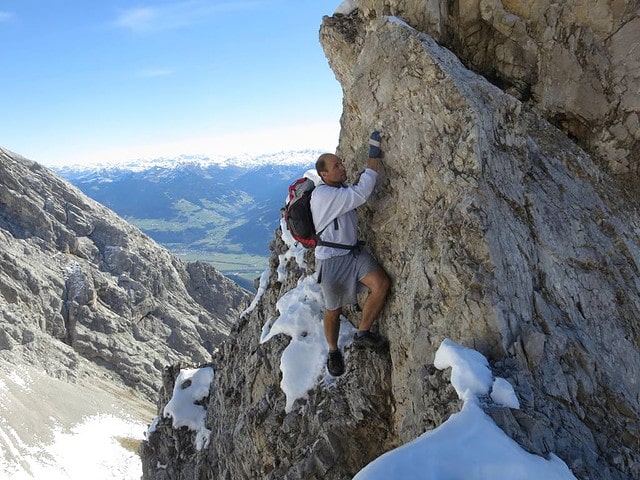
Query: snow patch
x=346 y=7
x=22 y=380
x=91 y=449
x=262 y=287
x=469 y=444
x=303 y=361
x=503 y=394
x=470 y=373
x=152 y=428
x=192 y=385
x=295 y=250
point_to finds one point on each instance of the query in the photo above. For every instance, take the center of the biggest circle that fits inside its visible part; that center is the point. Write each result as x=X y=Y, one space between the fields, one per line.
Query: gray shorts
x=340 y=277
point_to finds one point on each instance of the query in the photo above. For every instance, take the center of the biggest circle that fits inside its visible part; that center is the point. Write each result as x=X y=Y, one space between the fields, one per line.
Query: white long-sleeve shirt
x=329 y=203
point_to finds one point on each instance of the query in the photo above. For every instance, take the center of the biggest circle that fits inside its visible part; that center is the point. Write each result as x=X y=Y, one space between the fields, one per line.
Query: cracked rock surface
x=78 y=283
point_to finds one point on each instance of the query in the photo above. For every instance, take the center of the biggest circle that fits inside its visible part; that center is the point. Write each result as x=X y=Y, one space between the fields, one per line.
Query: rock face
x=499 y=232
x=78 y=283
x=576 y=61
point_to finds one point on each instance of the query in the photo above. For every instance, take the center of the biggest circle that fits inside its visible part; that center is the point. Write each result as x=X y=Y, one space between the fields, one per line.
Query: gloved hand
x=374 y=145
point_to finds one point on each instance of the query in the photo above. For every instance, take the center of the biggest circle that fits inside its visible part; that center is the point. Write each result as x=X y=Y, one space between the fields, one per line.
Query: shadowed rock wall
x=578 y=62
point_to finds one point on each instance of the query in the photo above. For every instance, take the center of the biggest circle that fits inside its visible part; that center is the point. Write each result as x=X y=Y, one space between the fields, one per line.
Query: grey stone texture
x=78 y=283
x=576 y=61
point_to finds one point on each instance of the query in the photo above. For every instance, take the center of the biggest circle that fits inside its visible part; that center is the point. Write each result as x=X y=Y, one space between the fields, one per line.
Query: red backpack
x=298 y=218
x=297 y=213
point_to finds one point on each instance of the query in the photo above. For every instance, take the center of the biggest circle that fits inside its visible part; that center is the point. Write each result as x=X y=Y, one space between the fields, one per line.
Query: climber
x=342 y=272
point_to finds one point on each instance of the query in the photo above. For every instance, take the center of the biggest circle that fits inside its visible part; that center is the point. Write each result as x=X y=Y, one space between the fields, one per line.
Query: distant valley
x=221 y=211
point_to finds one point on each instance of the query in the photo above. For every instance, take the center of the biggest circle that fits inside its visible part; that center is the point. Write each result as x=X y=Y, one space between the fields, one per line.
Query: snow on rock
x=503 y=394
x=303 y=361
x=90 y=449
x=296 y=250
x=346 y=7
x=152 y=428
x=262 y=287
x=54 y=430
x=469 y=444
x=470 y=373
x=192 y=385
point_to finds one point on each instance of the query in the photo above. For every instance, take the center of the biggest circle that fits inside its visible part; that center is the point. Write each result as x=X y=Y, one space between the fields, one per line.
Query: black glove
x=374 y=145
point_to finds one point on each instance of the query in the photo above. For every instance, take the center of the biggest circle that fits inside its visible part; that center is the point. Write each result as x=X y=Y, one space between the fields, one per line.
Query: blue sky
x=86 y=81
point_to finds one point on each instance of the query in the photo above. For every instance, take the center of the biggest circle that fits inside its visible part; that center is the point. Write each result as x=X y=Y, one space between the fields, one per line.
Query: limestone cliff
x=578 y=62
x=78 y=283
x=499 y=232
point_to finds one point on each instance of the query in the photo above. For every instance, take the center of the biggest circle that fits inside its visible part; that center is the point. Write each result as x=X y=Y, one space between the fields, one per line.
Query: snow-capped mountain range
x=218 y=209
x=285 y=158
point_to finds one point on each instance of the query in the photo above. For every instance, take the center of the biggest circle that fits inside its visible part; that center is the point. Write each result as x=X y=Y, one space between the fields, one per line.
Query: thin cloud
x=176 y=15
x=154 y=73
x=6 y=16
x=137 y=19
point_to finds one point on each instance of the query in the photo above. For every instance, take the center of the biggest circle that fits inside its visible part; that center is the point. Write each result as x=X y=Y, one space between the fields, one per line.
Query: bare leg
x=378 y=284
x=332 y=327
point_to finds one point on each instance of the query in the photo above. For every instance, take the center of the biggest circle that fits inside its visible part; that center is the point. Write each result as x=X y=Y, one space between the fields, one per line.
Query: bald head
x=321 y=163
x=331 y=169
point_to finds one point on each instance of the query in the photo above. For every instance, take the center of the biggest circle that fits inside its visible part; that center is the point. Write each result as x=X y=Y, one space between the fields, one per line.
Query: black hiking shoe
x=367 y=339
x=335 y=363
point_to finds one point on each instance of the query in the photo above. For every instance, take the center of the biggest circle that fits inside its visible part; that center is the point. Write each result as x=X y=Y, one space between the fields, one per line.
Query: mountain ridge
x=91 y=311
x=285 y=157
x=74 y=272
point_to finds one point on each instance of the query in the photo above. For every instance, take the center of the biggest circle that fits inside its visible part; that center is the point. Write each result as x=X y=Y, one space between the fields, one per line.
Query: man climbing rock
x=344 y=266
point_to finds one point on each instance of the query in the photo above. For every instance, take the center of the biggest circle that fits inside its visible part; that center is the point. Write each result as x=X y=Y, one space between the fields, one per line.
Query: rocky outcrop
x=577 y=62
x=79 y=282
x=514 y=242
x=499 y=232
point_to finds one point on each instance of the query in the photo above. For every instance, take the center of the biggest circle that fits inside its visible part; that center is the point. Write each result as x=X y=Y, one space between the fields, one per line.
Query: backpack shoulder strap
x=322 y=243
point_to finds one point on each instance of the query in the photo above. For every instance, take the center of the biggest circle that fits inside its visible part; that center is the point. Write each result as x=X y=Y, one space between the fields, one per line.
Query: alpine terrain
x=219 y=210
x=506 y=215
x=91 y=310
